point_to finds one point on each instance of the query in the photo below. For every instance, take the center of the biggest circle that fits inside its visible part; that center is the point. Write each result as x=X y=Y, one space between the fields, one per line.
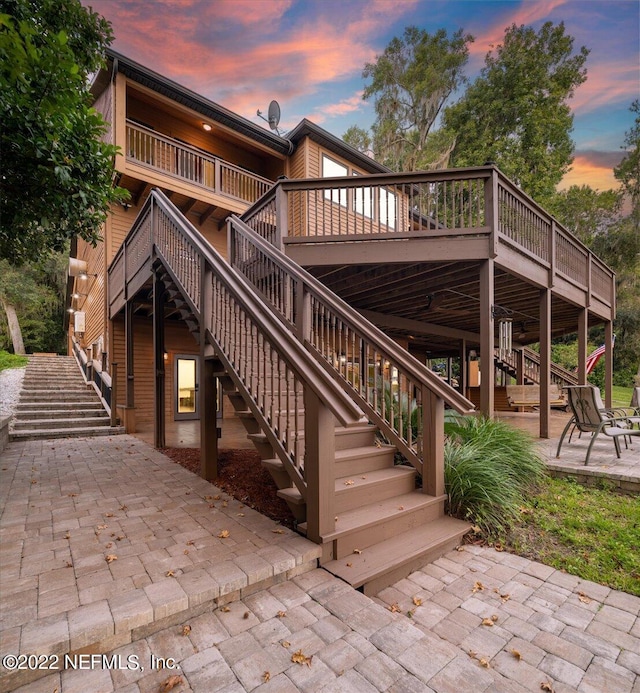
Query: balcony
x=168 y=156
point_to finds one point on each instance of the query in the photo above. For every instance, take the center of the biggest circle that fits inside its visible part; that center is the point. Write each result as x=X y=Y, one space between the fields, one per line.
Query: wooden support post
x=129 y=354
x=319 y=466
x=464 y=375
x=545 y=360
x=608 y=364
x=583 y=327
x=158 y=361
x=208 y=396
x=114 y=395
x=520 y=367
x=487 y=339
x=432 y=443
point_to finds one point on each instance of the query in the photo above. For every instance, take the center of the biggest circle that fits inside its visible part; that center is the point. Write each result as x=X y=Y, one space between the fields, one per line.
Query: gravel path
x=10 y=386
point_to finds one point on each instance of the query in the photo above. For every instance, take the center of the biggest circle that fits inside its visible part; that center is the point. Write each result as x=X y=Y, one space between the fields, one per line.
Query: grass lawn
x=621 y=396
x=8 y=360
x=590 y=532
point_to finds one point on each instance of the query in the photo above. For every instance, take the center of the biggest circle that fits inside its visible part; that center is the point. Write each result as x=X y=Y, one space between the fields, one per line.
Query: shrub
x=489 y=467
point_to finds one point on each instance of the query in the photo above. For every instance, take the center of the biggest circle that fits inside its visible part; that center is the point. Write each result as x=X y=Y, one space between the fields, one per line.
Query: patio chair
x=588 y=417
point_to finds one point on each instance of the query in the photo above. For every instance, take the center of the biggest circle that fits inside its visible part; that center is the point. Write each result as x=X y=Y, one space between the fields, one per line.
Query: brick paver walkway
x=475 y=620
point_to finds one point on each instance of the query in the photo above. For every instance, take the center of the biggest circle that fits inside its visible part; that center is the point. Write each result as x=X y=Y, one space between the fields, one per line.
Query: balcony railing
x=457 y=202
x=152 y=150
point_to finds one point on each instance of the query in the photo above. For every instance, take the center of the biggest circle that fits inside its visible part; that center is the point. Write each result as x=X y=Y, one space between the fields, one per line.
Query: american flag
x=595 y=355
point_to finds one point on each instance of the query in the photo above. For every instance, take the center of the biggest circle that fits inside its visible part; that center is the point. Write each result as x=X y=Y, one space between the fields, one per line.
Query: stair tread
x=375 y=476
x=369 y=515
x=363 y=451
x=376 y=560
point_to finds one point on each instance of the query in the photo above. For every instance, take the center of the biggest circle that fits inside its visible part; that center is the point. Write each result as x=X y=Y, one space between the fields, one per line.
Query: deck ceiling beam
x=417 y=326
x=206 y=214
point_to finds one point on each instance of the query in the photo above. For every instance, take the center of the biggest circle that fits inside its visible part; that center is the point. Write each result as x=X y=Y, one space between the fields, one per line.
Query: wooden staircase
x=385 y=525
x=330 y=441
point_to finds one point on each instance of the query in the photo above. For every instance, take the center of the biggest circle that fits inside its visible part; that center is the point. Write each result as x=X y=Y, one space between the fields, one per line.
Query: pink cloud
x=594 y=169
x=607 y=83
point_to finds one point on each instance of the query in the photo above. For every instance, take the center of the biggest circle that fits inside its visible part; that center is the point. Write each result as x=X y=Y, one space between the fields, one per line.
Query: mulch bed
x=241 y=475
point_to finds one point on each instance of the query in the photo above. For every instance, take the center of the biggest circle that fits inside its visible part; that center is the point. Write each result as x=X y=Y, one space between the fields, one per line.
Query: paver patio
x=68 y=504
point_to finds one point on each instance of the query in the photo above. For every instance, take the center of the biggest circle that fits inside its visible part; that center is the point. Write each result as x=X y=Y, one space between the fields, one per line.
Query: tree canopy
x=516 y=113
x=57 y=173
x=410 y=83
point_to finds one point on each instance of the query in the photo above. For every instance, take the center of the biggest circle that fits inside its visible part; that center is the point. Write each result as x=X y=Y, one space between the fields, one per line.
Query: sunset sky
x=309 y=55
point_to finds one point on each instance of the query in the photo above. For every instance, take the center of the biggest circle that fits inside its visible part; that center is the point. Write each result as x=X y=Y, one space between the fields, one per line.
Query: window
x=387 y=205
x=363 y=200
x=332 y=169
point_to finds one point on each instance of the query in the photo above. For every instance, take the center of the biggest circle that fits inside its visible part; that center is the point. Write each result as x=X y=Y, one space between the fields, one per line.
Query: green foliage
x=516 y=113
x=57 y=173
x=585 y=212
x=628 y=172
x=358 y=138
x=36 y=291
x=489 y=468
x=410 y=82
x=590 y=532
x=8 y=360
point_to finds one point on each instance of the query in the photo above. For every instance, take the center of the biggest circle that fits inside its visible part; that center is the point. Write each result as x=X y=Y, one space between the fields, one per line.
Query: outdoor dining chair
x=589 y=417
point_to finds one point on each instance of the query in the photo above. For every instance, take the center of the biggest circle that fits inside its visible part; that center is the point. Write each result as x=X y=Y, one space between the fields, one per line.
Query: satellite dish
x=273 y=116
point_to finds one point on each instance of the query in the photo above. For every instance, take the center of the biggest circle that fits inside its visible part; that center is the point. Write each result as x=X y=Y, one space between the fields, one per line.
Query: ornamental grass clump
x=489 y=468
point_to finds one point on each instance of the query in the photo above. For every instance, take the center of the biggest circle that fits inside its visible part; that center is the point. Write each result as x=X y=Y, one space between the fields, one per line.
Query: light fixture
x=206 y=127
x=71 y=310
x=126 y=205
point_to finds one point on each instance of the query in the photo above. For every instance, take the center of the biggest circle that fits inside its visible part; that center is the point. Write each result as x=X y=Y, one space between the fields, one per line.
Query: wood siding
x=93 y=303
x=104 y=105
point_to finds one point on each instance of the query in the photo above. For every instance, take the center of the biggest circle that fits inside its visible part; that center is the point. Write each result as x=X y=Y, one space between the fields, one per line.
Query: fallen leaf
x=120 y=538
x=363 y=477
x=349 y=565
x=266 y=677
x=242 y=515
x=494 y=618
x=357 y=551
x=281 y=614
x=224 y=504
x=505 y=597
x=225 y=609
x=278 y=531
x=34 y=481
x=110 y=558
x=108 y=514
x=417 y=601
x=484 y=662
x=459 y=548
x=123 y=508
x=170 y=573
x=476 y=530
x=245 y=614
x=285 y=643
x=69 y=564
x=170 y=683
x=185 y=630
x=186 y=552
x=401 y=507
x=72 y=495
x=516 y=654
x=499 y=547
x=109 y=545
x=300 y=658
x=478 y=587
x=349 y=482
x=472 y=654
x=67 y=535
x=583 y=598
x=216 y=497
x=208 y=497
x=223 y=534
x=394 y=608
x=487 y=622
x=546 y=686
x=191 y=542
x=212 y=505
x=410 y=613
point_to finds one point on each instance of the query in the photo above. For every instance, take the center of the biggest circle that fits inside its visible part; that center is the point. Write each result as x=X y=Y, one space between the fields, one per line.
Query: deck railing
x=150 y=149
x=281 y=383
x=397 y=393
x=559 y=375
x=472 y=202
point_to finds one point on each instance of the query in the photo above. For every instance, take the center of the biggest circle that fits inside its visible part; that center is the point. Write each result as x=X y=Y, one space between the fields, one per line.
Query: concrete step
x=56 y=395
x=85 y=405
x=387 y=562
x=20 y=424
x=78 y=432
x=74 y=412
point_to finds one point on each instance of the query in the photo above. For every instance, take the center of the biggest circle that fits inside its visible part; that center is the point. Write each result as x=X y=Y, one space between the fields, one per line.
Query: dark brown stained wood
x=206 y=214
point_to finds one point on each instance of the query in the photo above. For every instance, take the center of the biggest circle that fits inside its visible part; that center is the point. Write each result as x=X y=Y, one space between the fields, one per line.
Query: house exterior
x=309 y=286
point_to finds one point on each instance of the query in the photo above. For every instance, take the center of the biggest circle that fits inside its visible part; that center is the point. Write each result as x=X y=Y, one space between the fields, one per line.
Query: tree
x=586 y=212
x=628 y=172
x=410 y=82
x=57 y=174
x=516 y=113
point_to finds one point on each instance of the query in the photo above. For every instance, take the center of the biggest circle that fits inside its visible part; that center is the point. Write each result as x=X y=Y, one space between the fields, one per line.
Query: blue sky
x=309 y=55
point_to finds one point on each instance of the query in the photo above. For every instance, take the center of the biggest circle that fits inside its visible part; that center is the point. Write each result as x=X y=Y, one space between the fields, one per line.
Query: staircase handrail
x=532 y=368
x=293 y=306
x=192 y=247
